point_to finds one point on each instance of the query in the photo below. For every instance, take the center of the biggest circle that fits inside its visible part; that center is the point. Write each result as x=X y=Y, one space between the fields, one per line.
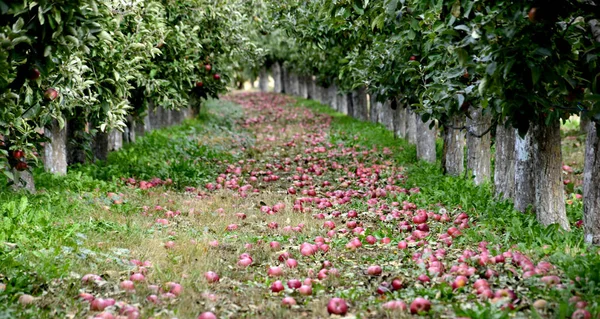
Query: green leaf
x=18 y=25
x=41 y=16
x=491 y=68
x=21 y=39
x=9 y=174
x=482 y=86
x=461 y=99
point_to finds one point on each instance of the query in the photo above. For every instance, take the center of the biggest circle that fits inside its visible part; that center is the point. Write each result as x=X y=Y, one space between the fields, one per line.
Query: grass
x=95 y=220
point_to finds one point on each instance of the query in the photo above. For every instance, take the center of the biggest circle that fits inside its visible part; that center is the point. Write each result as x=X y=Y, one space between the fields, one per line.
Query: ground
x=263 y=188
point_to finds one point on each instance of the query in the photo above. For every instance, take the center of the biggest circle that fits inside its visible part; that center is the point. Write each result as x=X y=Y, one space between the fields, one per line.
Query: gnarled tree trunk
x=426 y=140
x=55 y=150
x=453 y=157
x=591 y=186
x=479 y=153
x=549 y=188
x=504 y=170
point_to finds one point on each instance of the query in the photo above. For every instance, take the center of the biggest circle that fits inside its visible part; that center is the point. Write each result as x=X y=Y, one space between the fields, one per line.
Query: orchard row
x=482 y=72
x=79 y=69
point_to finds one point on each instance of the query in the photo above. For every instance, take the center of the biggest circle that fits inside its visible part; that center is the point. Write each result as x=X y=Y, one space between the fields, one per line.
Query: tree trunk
x=132 y=127
x=426 y=140
x=504 y=170
x=524 y=168
x=349 y=105
x=311 y=88
x=23 y=180
x=332 y=96
x=360 y=110
x=342 y=102
x=453 y=157
x=285 y=80
x=100 y=146
x=479 y=153
x=411 y=127
x=295 y=82
x=549 y=188
x=584 y=122
x=115 y=140
x=263 y=80
x=276 y=69
x=386 y=115
x=77 y=140
x=399 y=118
x=55 y=150
x=374 y=109
x=591 y=190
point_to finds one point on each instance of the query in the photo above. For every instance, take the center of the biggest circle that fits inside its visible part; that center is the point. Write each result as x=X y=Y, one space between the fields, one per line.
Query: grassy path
x=261 y=189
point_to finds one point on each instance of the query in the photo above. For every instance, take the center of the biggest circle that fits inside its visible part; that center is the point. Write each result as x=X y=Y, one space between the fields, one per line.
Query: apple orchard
x=299 y=159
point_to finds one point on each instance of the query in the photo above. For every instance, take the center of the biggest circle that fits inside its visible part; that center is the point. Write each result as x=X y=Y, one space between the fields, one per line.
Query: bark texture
x=304 y=84
x=294 y=84
x=285 y=81
x=115 y=140
x=276 y=69
x=263 y=80
x=342 y=102
x=312 y=88
x=374 y=109
x=332 y=96
x=524 y=166
x=399 y=119
x=591 y=186
x=426 y=141
x=453 y=157
x=479 y=153
x=386 y=115
x=504 y=170
x=549 y=188
x=360 y=110
x=23 y=181
x=55 y=150
x=411 y=127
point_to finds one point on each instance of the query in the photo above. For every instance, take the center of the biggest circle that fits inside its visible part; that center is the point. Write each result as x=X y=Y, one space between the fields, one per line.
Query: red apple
x=217 y=76
x=34 y=74
x=207 y=315
x=420 y=305
x=374 y=270
x=294 y=283
x=277 y=286
x=305 y=290
x=199 y=84
x=207 y=67
x=211 y=276
x=51 y=94
x=337 y=306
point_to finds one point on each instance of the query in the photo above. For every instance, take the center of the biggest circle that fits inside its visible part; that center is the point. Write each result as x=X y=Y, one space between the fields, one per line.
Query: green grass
x=43 y=236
